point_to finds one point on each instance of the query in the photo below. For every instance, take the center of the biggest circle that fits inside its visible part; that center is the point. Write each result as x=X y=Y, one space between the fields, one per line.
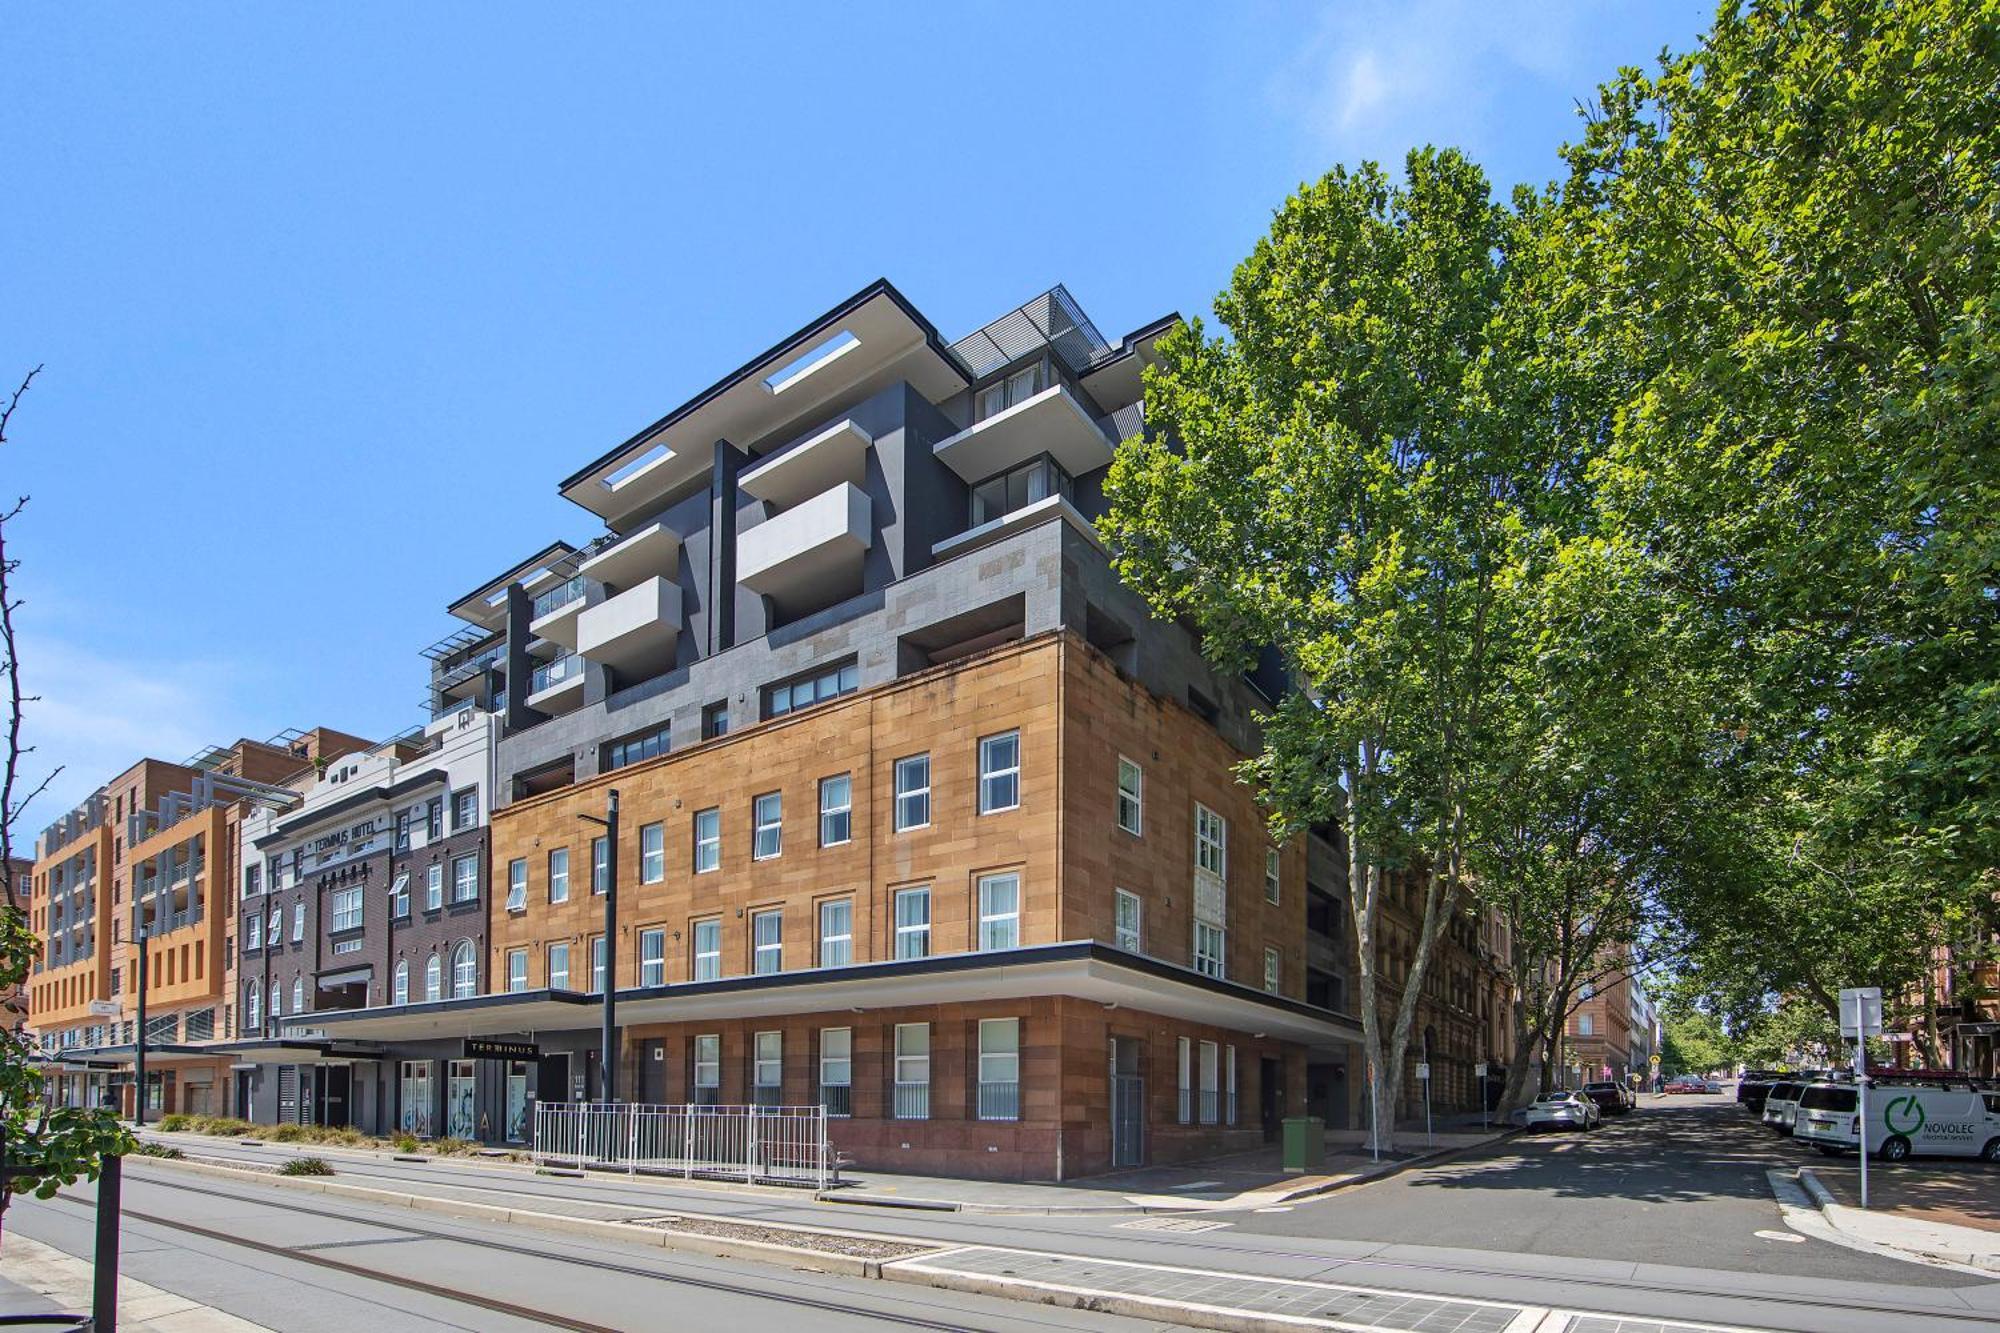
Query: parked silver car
x=1561 y=1110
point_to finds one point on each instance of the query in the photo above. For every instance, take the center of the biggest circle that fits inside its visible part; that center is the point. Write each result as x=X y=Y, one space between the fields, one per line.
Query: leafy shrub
x=285 y=1133
x=454 y=1147
x=306 y=1166
x=166 y=1150
x=406 y=1143
x=176 y=1123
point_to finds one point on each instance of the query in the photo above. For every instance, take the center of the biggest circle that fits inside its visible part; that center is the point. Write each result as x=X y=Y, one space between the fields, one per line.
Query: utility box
x=1305 y=1144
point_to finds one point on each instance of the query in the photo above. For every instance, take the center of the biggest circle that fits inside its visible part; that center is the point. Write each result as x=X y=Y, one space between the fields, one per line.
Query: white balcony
x=634 y=629
x=810 y=555
x=557 y=687
x=555 y=613
x=640 y=554
x=838 y=453
x=1052 y=422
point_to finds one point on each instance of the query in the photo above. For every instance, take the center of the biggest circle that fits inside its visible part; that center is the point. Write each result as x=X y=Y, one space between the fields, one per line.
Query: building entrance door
x=652 y=1071
x=1270 y=1097
x=1128 y=1104
x=336 y=1086
x=552 y=1079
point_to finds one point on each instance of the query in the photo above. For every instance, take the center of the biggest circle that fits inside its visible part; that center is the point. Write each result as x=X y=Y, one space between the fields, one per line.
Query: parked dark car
x=1754 y=1088
x=1611 y=1098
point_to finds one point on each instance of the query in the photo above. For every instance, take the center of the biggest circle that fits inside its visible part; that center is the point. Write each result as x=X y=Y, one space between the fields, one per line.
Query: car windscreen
x=1827 y=1099
x=1784 y=1092
x=1600 y=1087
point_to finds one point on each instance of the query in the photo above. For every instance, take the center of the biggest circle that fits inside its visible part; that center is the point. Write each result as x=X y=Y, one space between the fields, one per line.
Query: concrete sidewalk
x=1907 y=1218
x=1241 y=1181
x=38 y=1279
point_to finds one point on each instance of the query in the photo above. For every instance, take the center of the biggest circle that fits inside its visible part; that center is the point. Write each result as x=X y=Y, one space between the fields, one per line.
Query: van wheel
x=1991 y=1152
x=1895 y=1149
x=1828 y=1150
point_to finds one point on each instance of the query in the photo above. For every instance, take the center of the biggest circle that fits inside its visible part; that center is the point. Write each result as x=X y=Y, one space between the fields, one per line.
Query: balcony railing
x=555 y=672
x=561 y=595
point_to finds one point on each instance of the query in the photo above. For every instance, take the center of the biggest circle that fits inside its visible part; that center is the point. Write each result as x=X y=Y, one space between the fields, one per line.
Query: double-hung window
x=298 y=995
x=252 y=1001
x=464 y=971
x=708 y=1069
x=399 y=990
x=1273 y=882
x=517 y=884
x=399 y=896
x=836 y=1070
x=767 y=826
x=999 y=772
x=1211 y=842
x=913 y=923
x=434 y=819
x=433 y=887
x=1210 y=944
x=346 y=912
x=913 y=792
x=253 y=932
x=767 y=934
x=465 y=879
x=836 y=933
x=707 y=840
x=274 y=929
x=464 y=809
x=652 y=853
x=597 y=964
x=999 y=1069
x=559 y=875
x=558 y=967
x=1274 y=967
x=707 y=950
x=1127 y=920
x=517 y=969
x=836 y=810
x=433 y=978
x=912 y=1100
x=767 y=1069
x=403 y=830
x=1210 y=1103
x=1131 y=792
x=600 y=864
x=299 y=914
x=999 y=911
x=653 y=957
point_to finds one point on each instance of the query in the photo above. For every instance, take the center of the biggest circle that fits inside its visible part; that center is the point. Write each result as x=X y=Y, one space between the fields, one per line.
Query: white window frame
x=557 y=978
x=298 y=995
x=399 y=986
x=836 y=1070
x=767 y=826
x=1273 y=876
x=347 y=911
x=299 y=919
x=710 y=957
x=999 y=918
x=559 y=875
x=274 y=929
x=1211 y=1105
x=433 y=979
x=1129 y=936
x=434 y=886
x=1131 y=798
x=600 y=965
x=999 y=784
x=517 y=884
x=1211 y=842
x=708 y=844
x=1211 y=950
x=399 y=896
x=919 y=931
x=253 y=932
x=517 y=970
x=253 y=1006
x=836 y=810
x=1184 y=1069
x=760 y=949
x=911 y=1099
x=999 y=1068
x=652 y=853
x=707 y=1061
x=600 y=864
x=1274 y=970
x=653 y=956
x=464 y=971
x=465 y=872
x=767 y=1068
x=836 y=938
x=909 y=792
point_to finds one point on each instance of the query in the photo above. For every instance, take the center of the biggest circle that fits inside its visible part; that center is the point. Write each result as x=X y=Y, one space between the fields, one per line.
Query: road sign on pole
x=1861 y=1018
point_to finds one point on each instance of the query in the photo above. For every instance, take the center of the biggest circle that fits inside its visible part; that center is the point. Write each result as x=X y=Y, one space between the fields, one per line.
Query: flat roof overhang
x=159 y=1055
x=1083 y=969
x=295 y=1051
x=892 y=342
x=478 y=606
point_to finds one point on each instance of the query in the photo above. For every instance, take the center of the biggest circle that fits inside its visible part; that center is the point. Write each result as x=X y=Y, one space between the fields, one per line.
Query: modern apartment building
x=370 y=890
x=922 y=815
x=151 y=856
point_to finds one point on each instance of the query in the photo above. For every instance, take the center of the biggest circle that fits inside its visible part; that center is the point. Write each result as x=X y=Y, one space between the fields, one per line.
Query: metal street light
x=607 y=1058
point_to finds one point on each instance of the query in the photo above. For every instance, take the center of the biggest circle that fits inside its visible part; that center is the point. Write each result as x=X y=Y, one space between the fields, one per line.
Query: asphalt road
x=1678 y=1181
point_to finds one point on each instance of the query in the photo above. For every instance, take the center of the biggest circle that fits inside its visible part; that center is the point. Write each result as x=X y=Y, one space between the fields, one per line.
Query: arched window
x=464 y=975
x=298 y=995
x=433 y=978
x=253 y=994
x=274 y=1001
x=401 y=994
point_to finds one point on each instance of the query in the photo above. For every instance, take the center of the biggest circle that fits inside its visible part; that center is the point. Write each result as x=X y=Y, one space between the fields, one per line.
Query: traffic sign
x=1861 y=1012
x=1423 y=1070
x=1479 y=1070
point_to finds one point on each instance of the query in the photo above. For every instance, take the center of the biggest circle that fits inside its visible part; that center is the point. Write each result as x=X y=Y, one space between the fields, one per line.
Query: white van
x=1781 y=1107
x=1901 y=1120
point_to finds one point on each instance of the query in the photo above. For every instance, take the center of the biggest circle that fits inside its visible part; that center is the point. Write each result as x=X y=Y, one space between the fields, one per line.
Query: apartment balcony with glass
x=557 y=685
x=554 y=613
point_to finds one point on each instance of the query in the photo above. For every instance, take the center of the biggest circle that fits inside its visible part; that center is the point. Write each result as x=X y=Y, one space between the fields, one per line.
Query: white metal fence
x=756 y=1143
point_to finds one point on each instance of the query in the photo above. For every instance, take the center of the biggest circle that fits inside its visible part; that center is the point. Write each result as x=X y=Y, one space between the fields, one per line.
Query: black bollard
x=104 y=1298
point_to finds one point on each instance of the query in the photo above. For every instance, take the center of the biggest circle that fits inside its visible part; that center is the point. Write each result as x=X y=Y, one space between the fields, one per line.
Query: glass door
x=458 y=1100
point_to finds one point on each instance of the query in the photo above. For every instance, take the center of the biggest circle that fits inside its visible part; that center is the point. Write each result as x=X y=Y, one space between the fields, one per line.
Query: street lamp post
x=607 y=1057
x=139 y=1037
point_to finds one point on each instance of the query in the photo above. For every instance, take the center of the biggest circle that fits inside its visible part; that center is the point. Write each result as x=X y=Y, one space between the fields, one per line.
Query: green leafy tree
x=1344 y=479
x=45 y=1147
x=1793 y=237
x=1692 y=1041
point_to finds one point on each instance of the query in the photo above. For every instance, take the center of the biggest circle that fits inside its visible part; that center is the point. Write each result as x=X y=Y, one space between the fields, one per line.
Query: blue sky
x=331 y=296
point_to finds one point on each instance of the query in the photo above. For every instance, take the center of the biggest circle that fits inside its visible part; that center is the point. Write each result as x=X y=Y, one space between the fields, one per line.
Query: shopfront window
x=459 y=1083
